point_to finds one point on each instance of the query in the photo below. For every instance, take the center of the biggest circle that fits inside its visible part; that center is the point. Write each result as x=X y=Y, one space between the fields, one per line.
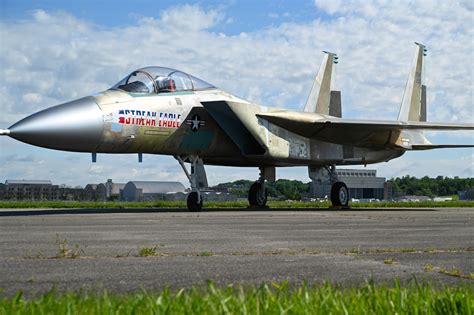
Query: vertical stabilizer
x=335 y=108
x=319 y=98
x=413 y=107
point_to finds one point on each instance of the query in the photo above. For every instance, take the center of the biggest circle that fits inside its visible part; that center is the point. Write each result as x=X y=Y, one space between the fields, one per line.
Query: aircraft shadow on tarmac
x=35 y=212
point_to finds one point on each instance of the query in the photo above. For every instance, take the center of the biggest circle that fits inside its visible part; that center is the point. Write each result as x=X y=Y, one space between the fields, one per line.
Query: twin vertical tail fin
x=323 y=99
x=413 y=107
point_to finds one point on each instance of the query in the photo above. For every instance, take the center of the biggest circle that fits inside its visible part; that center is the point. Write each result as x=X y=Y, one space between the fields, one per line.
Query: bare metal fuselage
x=163 y=124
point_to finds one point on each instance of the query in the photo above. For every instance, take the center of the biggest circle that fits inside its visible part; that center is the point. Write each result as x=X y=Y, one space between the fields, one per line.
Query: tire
x=192 y=202
x=257 y=197
x=339 y=194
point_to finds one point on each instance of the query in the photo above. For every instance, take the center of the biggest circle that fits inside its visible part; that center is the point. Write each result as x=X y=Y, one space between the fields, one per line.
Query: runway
x=93 y=249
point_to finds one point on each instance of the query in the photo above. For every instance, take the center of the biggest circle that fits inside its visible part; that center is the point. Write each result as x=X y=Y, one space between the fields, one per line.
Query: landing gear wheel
x=339 y=194
x=257 y=195
x=193 y=203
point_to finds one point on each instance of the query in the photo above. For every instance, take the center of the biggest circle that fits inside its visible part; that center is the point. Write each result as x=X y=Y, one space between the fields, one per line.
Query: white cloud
x=189 y=17
x=54 y=57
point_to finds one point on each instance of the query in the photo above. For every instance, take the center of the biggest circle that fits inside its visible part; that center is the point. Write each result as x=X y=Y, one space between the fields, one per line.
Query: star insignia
x=195 y=122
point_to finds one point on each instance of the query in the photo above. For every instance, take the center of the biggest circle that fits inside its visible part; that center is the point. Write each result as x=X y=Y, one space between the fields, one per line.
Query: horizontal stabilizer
x=440 y=146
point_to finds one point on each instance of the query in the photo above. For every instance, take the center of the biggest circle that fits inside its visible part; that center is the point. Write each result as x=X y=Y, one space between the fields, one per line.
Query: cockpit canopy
x=160 y=80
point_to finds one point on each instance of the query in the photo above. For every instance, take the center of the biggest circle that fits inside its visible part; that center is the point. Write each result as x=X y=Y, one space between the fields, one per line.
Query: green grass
x=147 y=251
x=64 y=250
x=277 y=298
x=388 y=261
x=227 y=204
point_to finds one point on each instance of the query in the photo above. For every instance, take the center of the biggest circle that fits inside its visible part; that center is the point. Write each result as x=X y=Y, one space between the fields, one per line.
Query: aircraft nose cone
x=73 y=126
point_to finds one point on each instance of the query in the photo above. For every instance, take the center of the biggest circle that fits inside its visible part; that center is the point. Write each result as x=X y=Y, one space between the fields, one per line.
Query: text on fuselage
x=149 y=118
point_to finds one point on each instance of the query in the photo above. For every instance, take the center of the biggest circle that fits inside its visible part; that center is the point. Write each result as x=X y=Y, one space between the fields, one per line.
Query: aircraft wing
x=364 y=133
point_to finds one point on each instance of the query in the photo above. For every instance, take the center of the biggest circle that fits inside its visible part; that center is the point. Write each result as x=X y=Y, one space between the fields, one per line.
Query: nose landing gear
x=197 y=179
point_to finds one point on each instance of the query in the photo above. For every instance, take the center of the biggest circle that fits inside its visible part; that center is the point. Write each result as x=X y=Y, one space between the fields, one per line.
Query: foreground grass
x=277 y=298
x=225 y=204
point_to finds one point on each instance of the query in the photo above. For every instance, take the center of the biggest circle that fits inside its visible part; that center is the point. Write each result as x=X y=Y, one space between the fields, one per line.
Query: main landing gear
x=339 y=195
x=320 y=175
x=257 y=193
x=197 y=179
x=339 y=191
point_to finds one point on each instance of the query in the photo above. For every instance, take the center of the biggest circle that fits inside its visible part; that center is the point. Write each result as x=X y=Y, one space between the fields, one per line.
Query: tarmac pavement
x=96 y=249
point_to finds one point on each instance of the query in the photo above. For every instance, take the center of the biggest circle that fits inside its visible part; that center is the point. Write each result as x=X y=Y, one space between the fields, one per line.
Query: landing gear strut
x=195 y=176
x=339 y=191
x=257 y=192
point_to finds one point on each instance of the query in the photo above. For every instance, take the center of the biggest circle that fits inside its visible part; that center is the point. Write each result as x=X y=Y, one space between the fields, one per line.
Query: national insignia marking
x=195 y=122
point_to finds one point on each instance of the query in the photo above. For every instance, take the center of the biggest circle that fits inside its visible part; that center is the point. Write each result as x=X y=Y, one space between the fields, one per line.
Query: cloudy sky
x=264 y=51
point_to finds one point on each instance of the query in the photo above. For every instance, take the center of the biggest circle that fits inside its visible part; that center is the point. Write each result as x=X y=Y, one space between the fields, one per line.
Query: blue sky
x=265 y=51
x=241 y=16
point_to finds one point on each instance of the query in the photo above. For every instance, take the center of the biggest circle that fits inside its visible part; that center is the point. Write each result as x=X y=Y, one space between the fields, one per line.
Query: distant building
x=30 y=190
x=387 y=191
x=90 y=193
x=413 y=198
x=362 y=184
x=3 y=191
x=70 y=193
x=466 y=194
x=218 y=195
x=150 y=191
x=110 y=190
x=103 y=192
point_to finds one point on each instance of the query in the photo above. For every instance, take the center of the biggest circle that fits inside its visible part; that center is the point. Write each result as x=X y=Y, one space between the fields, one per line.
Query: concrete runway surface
x=230 y=246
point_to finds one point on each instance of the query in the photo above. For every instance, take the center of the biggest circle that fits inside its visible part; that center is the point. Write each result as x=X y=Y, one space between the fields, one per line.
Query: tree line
x=432 y=187
x=281 y=189
x=407 y=185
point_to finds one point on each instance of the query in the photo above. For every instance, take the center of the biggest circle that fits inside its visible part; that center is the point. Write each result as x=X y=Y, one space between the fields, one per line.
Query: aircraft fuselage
x=177 y=123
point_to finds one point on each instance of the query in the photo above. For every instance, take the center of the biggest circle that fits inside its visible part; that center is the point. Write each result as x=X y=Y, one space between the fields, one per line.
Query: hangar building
x=362 y=184
x=103 y=192
x=90 y=193
x=149 y=191
x=110 y=190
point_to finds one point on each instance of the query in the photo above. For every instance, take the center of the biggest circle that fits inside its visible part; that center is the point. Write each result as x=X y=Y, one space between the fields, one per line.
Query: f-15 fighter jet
x=157 y=110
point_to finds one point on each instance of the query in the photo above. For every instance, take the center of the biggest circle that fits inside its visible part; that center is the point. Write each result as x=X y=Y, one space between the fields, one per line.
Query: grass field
x=277 y=298
x=226 y=204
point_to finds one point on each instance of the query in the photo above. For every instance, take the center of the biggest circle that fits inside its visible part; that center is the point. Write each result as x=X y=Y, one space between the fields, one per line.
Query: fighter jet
x=157 y=110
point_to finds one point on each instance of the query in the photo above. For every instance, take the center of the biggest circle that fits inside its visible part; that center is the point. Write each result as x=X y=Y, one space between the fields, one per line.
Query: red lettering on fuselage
x=148 y=118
